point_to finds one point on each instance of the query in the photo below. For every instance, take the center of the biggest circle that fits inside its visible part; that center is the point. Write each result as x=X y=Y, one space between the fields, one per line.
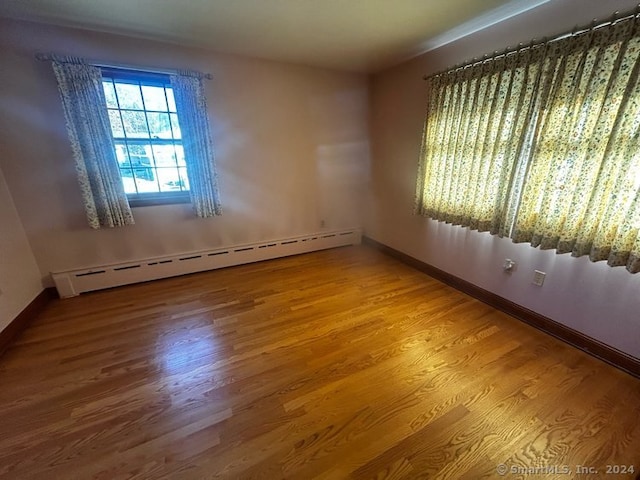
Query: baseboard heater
x=74 y=282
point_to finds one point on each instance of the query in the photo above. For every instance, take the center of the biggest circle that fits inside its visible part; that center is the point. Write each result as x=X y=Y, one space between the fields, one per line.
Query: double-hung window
x=137 y=138
x=146 y=135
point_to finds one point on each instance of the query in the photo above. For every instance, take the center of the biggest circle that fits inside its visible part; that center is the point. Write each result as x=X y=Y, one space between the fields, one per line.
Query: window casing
x=146 y=135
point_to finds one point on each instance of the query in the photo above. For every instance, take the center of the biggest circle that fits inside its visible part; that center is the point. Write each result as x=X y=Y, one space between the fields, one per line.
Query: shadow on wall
x=39 y=157
x=343 y=176
x=342 y=153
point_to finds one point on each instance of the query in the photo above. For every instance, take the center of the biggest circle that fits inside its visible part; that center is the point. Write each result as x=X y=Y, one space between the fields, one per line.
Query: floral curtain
x=542 y=146
x=477 y=125
x=191 y=106
x=582 y=191
x=80 y=87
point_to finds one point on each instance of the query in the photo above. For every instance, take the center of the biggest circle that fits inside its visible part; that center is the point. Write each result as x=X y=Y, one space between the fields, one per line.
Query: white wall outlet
x=538 y=278
x=509 y=265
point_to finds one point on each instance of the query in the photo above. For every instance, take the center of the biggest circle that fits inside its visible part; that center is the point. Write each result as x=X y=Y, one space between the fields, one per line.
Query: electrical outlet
x=538 y=278
x=322 y=223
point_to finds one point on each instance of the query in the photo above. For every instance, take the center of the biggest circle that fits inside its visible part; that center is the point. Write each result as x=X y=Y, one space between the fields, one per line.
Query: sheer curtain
x=542 y=146
x=80 y=87
x=198 y=147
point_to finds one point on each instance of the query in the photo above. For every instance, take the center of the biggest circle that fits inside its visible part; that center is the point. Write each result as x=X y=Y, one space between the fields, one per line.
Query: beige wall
x=19 y=275
x=291 y=145
x=292 y=150
x=599 y=301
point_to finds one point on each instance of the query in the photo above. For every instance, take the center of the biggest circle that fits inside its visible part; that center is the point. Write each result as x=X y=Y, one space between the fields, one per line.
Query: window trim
x=145 y=199
x=162 y=198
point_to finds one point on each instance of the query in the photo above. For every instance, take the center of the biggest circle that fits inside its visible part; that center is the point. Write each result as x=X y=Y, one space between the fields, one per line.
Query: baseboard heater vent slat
x=129 y=267
x=190 y=258
x=74 y=282
x=98 y=272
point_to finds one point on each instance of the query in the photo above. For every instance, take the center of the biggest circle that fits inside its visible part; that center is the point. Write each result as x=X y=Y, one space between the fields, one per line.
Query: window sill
x=151 y=199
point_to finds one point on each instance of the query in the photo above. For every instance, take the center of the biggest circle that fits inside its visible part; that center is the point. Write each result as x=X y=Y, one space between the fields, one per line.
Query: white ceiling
x=353 y=35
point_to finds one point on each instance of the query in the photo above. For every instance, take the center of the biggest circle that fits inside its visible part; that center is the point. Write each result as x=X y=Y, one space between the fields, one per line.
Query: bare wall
x=597 y=300
x=19 y=275
x=291 y=148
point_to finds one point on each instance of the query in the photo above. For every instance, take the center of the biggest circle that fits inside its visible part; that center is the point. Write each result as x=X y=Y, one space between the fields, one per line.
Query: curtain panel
x=80 y=87
x=188 y=90
x=542 y=145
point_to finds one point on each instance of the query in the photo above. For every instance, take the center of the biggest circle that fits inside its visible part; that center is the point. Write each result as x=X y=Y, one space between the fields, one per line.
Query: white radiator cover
x=74 y=282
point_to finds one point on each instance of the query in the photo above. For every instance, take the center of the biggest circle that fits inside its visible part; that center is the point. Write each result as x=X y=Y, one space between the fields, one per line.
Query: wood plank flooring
x=332 y=365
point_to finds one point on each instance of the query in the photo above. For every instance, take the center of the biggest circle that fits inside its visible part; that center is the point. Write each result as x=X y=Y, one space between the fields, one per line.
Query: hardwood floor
x=337 y=364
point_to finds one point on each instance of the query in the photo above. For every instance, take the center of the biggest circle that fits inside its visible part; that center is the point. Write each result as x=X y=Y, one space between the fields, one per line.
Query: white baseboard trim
x=74 y=282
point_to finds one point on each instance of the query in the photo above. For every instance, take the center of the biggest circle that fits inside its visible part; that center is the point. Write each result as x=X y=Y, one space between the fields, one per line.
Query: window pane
x=165 y=155
x=127 y=180
x=184 y=178
x=169 y=179
x=116 y=124
x=159 y=125
x=121 y=155
x=145 y=180
x=175 y=125
x=139 y=149
x=135 y=124
x=180 y=155
x=129 y=96
x=141 y=155
x=110 y=94
x=170 y=100
x=154 y=98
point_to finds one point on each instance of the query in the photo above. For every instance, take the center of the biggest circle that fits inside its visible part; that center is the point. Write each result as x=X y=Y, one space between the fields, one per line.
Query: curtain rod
x=507 y=51
x=49 y=57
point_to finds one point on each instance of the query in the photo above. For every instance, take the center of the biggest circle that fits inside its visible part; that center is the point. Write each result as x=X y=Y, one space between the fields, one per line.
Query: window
x=146 y=135
x=542 y=145
x=127 y=144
